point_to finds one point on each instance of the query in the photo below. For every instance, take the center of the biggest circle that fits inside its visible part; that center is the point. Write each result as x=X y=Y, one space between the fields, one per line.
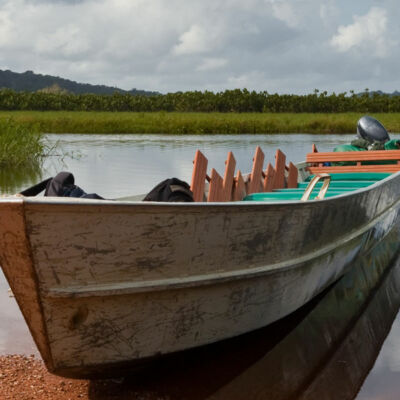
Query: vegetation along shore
x=193 y=123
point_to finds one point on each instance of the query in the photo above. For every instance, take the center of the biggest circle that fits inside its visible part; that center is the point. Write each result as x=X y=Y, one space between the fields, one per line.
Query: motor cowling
x=371 y=129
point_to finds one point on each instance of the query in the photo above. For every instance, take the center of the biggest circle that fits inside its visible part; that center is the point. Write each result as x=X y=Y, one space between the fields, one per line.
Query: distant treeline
x=237 y=101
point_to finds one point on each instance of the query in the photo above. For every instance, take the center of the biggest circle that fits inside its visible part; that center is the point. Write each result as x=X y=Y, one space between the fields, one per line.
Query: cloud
x=368 y=32
x=210 y=64
x=287 y=46
x=195 y=40
x=285 y=12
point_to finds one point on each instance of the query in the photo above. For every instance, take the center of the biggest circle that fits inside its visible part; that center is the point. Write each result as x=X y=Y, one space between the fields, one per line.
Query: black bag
x=170 y=190
x=62 y=185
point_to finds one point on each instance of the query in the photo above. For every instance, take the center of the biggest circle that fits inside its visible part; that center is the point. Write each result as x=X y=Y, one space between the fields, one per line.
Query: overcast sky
x=284 y=46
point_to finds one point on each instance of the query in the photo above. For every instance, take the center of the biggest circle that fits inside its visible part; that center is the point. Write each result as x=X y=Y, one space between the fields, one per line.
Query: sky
x=278 y=46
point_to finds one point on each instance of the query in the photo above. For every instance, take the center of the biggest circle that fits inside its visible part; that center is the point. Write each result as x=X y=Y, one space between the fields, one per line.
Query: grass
x=21 y=145
x=194 y=123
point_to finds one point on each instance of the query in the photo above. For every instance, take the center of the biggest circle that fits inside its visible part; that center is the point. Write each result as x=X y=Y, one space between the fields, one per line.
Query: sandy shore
x=26 y=378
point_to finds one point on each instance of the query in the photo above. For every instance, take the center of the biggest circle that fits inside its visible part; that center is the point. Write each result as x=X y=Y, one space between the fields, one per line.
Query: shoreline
x=195 y=123
x=26 y=378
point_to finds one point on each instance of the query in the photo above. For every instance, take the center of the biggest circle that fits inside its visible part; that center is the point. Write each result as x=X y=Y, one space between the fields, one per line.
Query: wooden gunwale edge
x=121 y=288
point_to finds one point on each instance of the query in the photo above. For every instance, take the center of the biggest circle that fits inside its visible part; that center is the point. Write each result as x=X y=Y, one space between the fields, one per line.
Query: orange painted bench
x=374 y=157
x=234 y=187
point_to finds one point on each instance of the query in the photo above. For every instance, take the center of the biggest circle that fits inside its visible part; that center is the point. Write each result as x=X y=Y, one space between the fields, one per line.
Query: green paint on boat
x=340 y=184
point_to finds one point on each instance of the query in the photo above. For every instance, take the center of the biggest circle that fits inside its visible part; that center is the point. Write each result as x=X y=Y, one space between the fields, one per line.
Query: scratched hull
x=115 y=283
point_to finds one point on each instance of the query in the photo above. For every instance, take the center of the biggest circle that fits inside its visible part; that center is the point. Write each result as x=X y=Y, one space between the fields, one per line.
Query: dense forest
x=30 y=82
x=237 y=101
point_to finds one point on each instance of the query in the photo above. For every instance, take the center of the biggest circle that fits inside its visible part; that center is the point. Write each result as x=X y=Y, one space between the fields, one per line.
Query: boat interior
x=340 y=183
x=322 y=175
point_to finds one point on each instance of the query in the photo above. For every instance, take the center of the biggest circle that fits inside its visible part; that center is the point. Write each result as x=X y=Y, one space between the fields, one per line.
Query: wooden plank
x=215 y=192
x=354 y=168
x=239 y=188
x=254 y=185
x=269 y=178
x=293 y=176
x=230 y=165
x=199 y=176
x=280 y=163
x=371 y=155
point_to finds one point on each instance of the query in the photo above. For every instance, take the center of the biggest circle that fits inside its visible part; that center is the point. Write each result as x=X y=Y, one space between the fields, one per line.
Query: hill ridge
x=29 y=81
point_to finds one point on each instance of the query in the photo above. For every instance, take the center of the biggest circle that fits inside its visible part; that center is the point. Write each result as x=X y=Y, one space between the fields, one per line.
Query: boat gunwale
x=73 y=201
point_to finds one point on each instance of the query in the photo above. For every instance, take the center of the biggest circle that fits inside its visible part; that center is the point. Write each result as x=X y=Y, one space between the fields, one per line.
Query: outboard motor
x=371 y=129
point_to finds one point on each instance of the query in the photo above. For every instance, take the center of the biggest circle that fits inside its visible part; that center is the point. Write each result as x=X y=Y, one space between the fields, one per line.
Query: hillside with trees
x=30 y=82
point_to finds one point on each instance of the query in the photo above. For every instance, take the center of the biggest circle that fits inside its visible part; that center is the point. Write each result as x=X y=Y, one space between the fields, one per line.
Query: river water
x=121 y=165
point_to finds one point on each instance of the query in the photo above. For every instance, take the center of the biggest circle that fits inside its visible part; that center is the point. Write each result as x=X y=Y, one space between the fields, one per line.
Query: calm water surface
x=122 y=165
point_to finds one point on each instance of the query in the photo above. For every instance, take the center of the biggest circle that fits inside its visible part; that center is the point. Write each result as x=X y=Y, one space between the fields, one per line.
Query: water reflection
x=13 y=179
x=123 y=165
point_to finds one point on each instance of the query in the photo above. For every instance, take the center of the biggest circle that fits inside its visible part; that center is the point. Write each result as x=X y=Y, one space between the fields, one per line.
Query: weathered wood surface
x=269 y=178
x=371 y=155
x=230 y=165
x=355 y=168
x=199 y=174
x=279 y=176
x=292 y=176
x=254 y=185
x=121 y=282
x=316 y=161
x=232 y=188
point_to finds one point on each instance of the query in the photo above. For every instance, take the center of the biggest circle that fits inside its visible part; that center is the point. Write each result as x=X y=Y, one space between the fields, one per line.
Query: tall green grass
x=195 y=123
x=21 y=145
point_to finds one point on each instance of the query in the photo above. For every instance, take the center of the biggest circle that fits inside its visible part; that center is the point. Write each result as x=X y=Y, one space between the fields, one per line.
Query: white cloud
x=286 y=13
x=209 y=64
x=195 y=40
x=368 y=31
x=288 y=46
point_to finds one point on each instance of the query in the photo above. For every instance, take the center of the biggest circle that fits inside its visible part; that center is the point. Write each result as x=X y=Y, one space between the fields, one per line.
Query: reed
x=195 y=123
x=20 y=145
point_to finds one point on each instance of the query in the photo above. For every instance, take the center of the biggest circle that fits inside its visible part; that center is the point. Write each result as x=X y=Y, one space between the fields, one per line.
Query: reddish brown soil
x=26 y=378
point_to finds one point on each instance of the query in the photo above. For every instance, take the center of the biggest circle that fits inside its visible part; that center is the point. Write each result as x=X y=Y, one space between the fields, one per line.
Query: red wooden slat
x=269 y=178
x=293 y=176
x=254 y=185
x=215 y=192
x=370 y=155
x=279 y=179
x=229 y=177
x=199 y=176
x=239 y=188
x=355 y=168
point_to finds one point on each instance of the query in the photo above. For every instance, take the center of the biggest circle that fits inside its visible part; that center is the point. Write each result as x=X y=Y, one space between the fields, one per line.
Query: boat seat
x=355 y=176
x=353 y=161
x=317 y=189
x=341 y=183
x=287 y=196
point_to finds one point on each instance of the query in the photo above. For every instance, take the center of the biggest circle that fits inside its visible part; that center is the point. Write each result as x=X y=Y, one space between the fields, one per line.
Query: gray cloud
x=281 y=46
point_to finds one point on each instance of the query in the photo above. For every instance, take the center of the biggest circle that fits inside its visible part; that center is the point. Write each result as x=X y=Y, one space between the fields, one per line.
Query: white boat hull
x=114 y=283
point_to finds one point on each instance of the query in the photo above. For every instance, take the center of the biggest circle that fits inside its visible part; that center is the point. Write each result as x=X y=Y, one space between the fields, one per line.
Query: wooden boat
x=108 y=284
